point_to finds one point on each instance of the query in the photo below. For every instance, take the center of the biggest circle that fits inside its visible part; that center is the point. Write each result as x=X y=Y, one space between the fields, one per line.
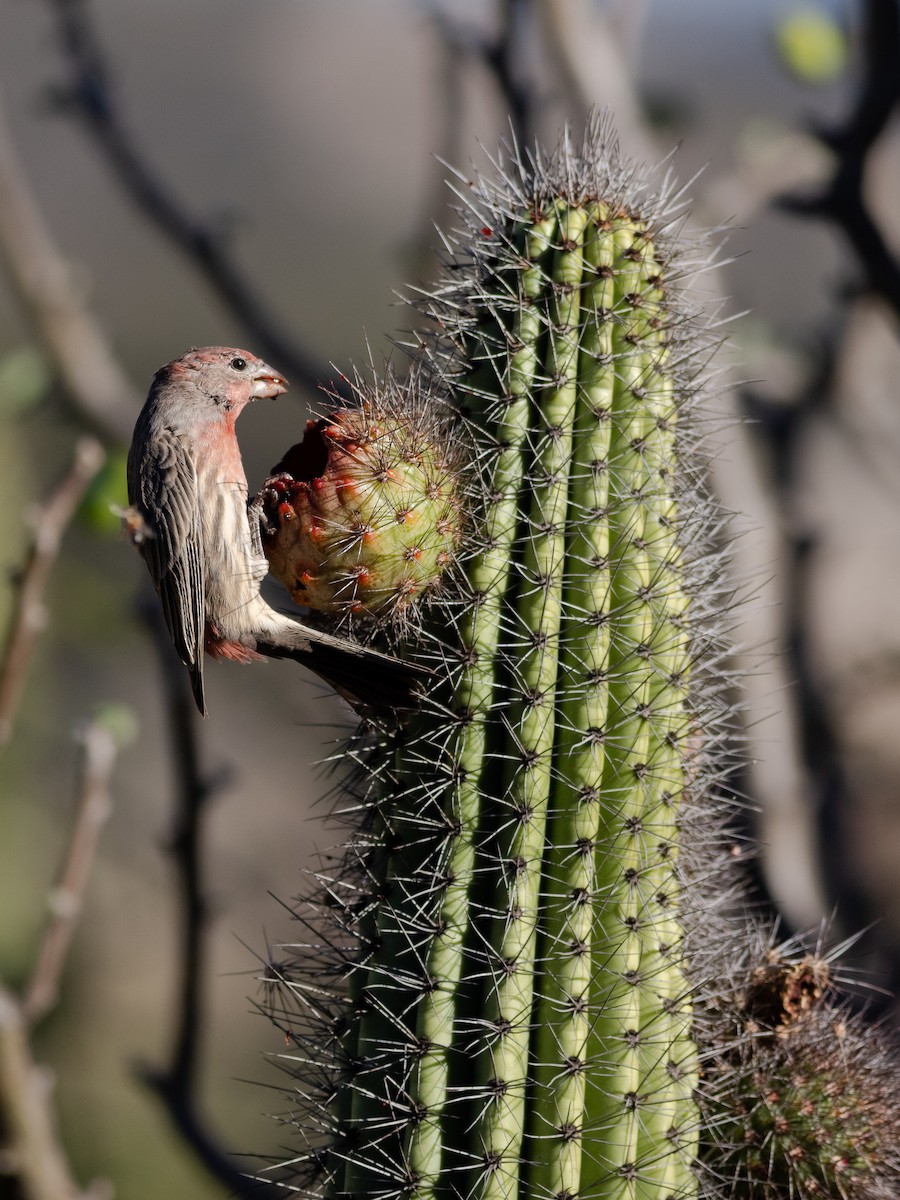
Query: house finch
x=188 y=495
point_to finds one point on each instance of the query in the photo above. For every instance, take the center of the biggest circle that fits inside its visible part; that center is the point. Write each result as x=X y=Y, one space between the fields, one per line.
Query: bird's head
x=226 y=377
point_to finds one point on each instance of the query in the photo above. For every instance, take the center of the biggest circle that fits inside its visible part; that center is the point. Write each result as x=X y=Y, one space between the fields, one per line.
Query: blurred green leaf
x=25 y=379
x=119 y=720
x=106 y=497
x=811 y=45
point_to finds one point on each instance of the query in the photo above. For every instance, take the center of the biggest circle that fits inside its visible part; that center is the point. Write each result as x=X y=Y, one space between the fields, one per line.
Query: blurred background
x=265 y=174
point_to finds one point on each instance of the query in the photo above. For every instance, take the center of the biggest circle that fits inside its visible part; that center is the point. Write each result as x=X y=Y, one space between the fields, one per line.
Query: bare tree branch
x=508 y=58
x=32 y=1152
x=842 y=201
x=177 y=1083
x=94 y=807
x=51 y=520
x=93 y=379
x=504 y=55
x=595 y=68
x=90 y=96
x=194 y=789
x=785 y=430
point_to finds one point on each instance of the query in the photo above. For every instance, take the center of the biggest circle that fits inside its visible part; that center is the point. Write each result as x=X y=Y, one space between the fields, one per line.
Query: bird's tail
x=196 y=672
x=371 y=682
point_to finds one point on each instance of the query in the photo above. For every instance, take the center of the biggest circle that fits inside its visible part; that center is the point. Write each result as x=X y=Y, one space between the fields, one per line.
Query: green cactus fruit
x=364 y=514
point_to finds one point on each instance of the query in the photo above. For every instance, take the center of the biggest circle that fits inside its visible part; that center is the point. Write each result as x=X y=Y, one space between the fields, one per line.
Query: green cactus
x=519 y=1016
x=530 y=970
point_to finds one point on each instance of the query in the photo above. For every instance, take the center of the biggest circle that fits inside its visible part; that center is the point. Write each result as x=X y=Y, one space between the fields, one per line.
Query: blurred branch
x=594 y=56
x=591 y=54
x=94 y=807
x=786 y=430
x=93 y=379
x=193 y=792
x=51 y=519
x=508 y=59
x=505 y=56
x=32 y=1151
x=842 y=201
x=90 y=96
x=176 y=1084
x=628 y=21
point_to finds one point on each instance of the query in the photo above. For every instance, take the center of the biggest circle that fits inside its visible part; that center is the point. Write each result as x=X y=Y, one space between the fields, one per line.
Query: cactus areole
x=507 y=1013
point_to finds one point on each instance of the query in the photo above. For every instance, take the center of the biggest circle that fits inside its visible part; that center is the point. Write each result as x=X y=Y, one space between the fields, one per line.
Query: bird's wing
x=162 y=483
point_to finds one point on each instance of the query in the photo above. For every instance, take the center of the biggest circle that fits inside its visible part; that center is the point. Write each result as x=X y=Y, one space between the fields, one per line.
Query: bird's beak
x=267 y=384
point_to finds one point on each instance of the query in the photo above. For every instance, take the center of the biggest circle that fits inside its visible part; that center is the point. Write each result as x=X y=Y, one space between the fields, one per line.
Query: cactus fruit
x=510 y=992
x=364 y=514
x=799 y=1096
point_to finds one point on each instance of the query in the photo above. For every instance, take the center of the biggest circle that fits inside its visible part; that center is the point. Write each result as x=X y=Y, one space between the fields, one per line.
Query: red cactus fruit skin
x=364 y=514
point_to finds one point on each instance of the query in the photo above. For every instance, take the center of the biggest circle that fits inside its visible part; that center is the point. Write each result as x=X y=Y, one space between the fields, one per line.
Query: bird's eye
x=239 y=364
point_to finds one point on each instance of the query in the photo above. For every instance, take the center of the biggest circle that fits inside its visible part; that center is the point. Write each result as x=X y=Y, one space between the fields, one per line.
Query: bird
x=188 y=516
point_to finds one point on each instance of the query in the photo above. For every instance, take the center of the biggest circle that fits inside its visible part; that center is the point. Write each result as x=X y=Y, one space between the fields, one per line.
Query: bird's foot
x=262 y=510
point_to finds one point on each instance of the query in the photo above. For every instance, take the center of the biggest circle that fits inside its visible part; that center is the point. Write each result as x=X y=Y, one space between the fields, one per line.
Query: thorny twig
x=93 y=379
x=32 y=1152
x=90 y=94
x=51 y=520
x=176 y=1084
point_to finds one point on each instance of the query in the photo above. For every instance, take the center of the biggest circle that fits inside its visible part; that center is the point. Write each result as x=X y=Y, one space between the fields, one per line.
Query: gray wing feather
x=162 y=485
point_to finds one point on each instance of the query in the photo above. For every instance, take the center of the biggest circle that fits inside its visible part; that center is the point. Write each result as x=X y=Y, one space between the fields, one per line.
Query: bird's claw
x=261 y=523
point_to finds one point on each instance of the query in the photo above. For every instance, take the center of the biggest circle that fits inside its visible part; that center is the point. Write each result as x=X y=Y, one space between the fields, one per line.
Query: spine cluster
x=510 y=992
